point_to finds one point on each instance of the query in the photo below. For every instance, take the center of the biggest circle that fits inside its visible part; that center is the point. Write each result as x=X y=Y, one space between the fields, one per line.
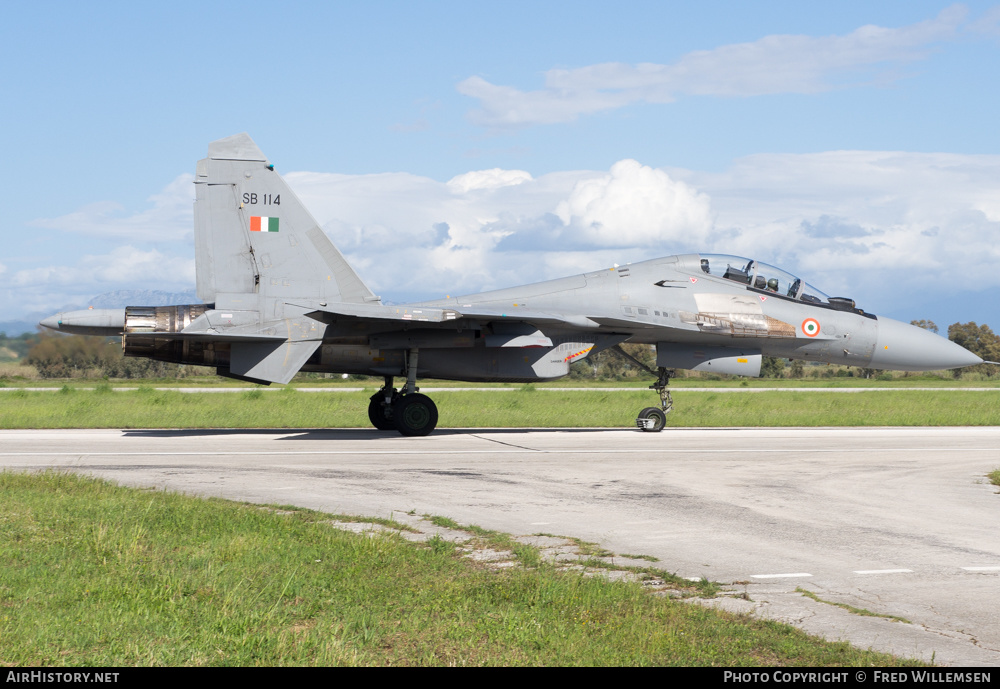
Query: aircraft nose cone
x=52 y=322
x=904 y=347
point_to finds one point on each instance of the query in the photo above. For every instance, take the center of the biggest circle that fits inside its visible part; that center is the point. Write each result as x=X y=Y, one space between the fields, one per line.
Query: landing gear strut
x=653 y=419
x=406 y=411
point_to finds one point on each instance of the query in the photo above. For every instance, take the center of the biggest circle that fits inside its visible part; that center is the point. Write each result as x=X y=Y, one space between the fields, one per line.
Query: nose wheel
x=651 y=419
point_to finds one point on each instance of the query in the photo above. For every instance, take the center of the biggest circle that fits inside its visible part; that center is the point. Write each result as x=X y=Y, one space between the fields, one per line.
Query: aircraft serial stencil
x=279 y=298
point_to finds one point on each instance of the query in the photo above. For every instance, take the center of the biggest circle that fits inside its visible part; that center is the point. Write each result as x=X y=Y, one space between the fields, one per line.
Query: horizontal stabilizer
x=268 y=361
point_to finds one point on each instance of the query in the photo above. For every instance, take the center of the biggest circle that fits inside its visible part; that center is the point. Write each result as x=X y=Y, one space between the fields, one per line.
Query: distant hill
x=118 y=299
x=15 y=328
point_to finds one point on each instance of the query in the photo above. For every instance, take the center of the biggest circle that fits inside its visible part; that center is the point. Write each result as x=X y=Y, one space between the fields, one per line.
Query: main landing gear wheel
x=380 y=413
x=414 y=414
x=651 y=419
x=403 y=410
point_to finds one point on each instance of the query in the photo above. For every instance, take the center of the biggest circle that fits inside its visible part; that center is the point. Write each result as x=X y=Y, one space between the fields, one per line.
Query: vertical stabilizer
x=254 y=236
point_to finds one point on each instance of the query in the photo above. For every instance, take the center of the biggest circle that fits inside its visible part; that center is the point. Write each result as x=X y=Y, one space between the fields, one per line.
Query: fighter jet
x=279 y=298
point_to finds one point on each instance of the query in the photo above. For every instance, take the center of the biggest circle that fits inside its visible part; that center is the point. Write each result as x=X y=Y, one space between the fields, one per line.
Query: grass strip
x=148 y=408
x=97 y=574
x=994 y=477
x=850 y=608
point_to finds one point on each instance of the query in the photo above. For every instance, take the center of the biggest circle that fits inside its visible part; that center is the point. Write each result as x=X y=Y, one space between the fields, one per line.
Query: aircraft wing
x=396 y=315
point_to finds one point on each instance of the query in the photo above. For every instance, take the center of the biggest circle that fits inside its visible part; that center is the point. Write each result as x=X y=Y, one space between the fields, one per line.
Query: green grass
x=850 y=608
x=146 y=407
x=98 y=575
x=994 y=477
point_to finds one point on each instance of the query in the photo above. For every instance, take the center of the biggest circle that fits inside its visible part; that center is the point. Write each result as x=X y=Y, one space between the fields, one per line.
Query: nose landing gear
x=653 y=419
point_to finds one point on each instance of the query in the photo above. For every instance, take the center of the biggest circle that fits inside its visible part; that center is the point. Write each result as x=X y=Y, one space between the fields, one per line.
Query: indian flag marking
x=262 y=224
x=810 y=327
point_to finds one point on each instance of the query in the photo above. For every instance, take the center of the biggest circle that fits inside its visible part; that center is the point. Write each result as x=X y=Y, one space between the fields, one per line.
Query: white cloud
x=774 y=64
x=169 y=219
x=988 y=24
x=46 y=289
x=487 y=179
x=126 y=265
x=634 y=205
x=888 y=228
x=891 y=224
x=490 y=228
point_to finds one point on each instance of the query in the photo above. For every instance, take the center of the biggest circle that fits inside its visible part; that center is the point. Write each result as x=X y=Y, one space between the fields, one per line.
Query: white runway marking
x=981 y=569
x=882 y=571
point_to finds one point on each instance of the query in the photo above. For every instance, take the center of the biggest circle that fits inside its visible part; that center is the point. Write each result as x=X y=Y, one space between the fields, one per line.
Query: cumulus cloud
x=890 y=224
x=487 y=179
x=169 y=219
x=888 y=228
x=434 y=235
x=880 y=226
x=489 y=228
x=771 y=65
x=635 y=205
x=125 y=265
x=45 y=289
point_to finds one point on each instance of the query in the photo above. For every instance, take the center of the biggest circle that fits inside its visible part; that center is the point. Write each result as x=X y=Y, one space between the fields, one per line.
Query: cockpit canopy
x=762 y=277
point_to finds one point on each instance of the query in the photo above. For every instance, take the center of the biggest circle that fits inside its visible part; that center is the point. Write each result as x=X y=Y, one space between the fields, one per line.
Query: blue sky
x=452 y=147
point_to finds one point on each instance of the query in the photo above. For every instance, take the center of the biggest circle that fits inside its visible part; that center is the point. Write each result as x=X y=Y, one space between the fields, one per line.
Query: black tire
x=414 y=414
x=380 y=414
x=658 y=417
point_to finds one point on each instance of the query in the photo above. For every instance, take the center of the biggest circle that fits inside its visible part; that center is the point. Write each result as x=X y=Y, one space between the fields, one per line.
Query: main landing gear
x=653 y=419
x=405 y=410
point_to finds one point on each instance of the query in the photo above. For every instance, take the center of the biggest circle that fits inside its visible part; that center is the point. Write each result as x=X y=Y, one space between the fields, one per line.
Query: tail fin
x=254 y=236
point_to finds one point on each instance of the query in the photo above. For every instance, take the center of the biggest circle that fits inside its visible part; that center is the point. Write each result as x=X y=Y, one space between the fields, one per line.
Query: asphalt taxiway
x=897 y=521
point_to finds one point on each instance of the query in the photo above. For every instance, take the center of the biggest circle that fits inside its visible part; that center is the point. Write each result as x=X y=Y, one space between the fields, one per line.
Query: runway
x=897 y=521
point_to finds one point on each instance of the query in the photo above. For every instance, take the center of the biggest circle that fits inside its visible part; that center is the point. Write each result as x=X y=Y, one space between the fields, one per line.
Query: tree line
x=80 y=356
